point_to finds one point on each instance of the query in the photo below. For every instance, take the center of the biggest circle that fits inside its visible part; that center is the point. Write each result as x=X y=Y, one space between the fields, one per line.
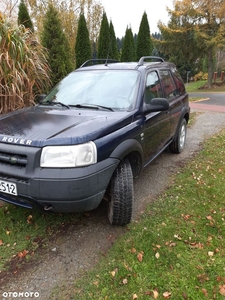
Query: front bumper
x=59 y=190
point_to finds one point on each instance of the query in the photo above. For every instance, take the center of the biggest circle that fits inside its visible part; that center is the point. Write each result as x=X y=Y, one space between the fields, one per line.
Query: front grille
x=17 y=160
x=14 y=178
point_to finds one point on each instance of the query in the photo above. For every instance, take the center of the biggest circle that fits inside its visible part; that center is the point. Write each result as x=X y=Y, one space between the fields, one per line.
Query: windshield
x=116 y=89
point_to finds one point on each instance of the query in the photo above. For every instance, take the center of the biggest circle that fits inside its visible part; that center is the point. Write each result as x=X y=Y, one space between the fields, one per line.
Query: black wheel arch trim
x=185 y=112
x=127 y=147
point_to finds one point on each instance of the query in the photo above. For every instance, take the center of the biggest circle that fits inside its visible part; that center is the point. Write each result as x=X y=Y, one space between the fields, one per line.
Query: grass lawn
x=197 y=87
x=176 y=250
x=194 y=86
x=23 y=231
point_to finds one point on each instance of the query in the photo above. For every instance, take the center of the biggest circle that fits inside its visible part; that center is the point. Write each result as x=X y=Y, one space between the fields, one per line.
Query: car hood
x=40 y=126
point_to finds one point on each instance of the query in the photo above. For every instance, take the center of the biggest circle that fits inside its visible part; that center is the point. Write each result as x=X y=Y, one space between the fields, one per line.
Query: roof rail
x=143 y=58
x=95 y=61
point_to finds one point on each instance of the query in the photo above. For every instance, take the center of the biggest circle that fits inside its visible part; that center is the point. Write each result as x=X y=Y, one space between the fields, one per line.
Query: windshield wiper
x=48 y=102
x=91 y=106
x=105 y=107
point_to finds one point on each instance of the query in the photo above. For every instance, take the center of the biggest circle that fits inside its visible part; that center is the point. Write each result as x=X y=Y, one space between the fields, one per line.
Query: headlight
x=69 y=156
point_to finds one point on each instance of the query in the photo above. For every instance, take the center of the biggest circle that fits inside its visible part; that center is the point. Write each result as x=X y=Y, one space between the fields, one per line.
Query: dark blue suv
x=91 y=135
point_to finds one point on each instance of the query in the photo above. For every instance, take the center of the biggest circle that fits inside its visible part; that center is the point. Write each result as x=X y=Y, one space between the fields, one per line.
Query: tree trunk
x=210 y=68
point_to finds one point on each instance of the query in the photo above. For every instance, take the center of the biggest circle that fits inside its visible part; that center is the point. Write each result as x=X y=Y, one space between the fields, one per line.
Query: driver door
x=157 y=124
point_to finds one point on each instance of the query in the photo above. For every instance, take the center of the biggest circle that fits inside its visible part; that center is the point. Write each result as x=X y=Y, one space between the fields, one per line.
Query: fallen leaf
x=177 y=237
x=167 y=295
x=155 y=294
x=205 y=292
x=22 y=253
x=125 y=281
x=196 y=245
x=140 y=256
x=220 y=278
x=210 y=253
x=113 y=273
x=29 y=219
x=95 y=283
x=212 y=221
x=133 y=250
x=199 y=267
x=186 y=217
x=202 y=278
x=157 y=255
x=135 y=296
x=1 y=243
x=222 y=290
x=209 y=239
x=148 y=293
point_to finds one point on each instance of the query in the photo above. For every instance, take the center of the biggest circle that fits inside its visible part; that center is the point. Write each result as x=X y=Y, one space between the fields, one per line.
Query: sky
x=129 y=13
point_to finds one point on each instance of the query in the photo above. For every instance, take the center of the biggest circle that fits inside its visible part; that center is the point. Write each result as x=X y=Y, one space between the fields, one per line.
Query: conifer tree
x=24 y=17
x=54 y=40
x=195 y=32
x=113 y=52
x=104 y=38
x=144 y=41
x=83 y=45
x=128 y=48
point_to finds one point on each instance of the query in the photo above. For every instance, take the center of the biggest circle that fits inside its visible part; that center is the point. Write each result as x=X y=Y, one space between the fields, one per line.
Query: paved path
x=209 y=107
x=210 y=101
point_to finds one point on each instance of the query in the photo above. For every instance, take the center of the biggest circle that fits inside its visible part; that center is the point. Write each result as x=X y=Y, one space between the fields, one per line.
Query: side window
x=153 y=87
x=170 y=89
x=179 y=82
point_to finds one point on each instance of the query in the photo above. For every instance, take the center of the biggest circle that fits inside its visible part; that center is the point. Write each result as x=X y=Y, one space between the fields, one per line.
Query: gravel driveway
x=80 y=247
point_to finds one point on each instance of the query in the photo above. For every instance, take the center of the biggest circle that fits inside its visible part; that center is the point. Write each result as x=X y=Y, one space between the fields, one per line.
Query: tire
x=121 y=201
x=178 y=144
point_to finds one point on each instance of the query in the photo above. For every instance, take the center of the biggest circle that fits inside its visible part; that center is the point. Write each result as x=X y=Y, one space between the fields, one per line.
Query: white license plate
x=8 y=187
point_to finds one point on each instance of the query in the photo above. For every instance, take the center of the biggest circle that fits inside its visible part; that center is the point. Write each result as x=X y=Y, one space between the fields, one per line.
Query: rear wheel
x=121 y=201
x=177 y=146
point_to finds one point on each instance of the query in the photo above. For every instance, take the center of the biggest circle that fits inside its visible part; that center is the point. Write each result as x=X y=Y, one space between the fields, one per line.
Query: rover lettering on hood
x=13 y=140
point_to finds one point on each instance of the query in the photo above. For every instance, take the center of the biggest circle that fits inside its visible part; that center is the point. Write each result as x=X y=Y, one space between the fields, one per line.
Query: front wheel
x=177 y=146
x=121 y=202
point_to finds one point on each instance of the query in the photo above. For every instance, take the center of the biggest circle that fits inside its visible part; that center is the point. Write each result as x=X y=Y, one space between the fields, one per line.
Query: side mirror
x=157 y=104
x=40 y=98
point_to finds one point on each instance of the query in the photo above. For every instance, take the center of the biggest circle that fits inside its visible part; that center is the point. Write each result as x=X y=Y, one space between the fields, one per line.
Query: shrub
x=23 y=67
x=200 y=76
